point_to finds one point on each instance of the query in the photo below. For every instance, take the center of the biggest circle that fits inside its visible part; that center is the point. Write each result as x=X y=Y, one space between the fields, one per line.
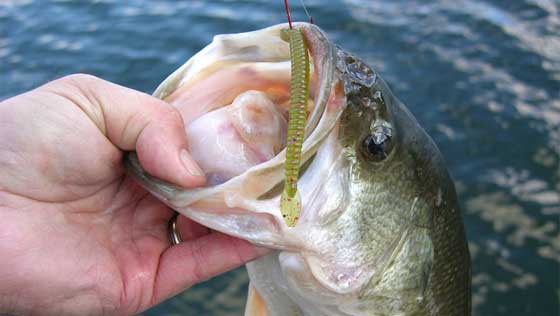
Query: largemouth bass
x=380 y=232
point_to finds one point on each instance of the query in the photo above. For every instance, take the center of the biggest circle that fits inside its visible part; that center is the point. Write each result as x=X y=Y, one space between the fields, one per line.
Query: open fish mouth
x=234 y=98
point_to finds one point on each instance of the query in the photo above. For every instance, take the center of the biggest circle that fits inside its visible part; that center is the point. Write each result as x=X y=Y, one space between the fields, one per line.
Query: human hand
x=79 y=237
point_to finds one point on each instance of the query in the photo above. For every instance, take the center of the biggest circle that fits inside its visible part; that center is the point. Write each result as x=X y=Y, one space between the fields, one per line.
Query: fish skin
x=396 y=244
x=414 y=176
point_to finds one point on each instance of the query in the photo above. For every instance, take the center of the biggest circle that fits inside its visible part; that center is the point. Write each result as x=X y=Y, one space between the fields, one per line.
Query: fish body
x=380 y=231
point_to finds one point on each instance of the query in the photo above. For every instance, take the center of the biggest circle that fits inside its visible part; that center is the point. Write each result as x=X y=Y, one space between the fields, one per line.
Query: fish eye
x=377 y=146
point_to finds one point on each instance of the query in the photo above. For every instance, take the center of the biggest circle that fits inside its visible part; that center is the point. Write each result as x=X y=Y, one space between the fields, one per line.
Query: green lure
x=290 y=202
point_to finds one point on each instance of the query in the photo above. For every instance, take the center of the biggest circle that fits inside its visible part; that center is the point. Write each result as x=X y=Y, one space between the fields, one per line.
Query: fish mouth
x=246 y=204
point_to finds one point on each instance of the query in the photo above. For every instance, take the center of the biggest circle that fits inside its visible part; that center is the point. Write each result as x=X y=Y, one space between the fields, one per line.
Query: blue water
x=482 y=76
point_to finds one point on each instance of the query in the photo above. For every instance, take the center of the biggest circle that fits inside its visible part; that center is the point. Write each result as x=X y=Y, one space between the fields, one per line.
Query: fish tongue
x=230 y=140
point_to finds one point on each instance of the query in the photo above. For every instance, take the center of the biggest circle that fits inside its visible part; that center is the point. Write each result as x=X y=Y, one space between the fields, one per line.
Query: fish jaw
x=246 y=205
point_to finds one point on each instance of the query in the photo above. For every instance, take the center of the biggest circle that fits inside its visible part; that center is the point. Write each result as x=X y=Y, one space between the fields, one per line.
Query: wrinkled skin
x=380 y=231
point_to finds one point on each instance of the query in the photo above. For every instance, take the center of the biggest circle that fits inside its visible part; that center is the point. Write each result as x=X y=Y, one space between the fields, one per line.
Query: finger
x=133 y=120
x=197 y=260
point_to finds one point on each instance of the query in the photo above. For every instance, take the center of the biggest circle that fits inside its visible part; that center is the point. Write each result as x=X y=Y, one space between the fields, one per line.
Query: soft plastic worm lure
x=290 y=202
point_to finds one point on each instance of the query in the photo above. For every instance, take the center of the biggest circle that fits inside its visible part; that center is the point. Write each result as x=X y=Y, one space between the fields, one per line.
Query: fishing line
x=306 y=12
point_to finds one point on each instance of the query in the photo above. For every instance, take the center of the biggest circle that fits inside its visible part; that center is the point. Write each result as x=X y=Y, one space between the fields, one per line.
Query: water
x=483 y=77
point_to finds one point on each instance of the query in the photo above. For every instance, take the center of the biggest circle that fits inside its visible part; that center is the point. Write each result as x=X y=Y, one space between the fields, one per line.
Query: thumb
x=133 y=120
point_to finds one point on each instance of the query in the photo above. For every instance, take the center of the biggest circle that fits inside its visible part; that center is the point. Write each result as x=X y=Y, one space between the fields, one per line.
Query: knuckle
x=171 y=115
x=75 y=84
x=79 y=79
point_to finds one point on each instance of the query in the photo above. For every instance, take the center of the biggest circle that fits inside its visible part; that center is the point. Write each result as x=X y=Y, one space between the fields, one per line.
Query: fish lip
x=318 y=43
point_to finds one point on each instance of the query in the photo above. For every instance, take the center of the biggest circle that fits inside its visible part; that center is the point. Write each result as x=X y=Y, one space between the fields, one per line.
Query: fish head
x=382 y=213
x=379 y=210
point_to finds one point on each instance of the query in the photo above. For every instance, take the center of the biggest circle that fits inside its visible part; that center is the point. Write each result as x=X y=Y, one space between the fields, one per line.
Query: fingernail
x=191 y=166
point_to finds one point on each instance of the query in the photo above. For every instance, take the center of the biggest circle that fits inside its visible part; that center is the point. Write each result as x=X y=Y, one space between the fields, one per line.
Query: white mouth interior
x=234 y=99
